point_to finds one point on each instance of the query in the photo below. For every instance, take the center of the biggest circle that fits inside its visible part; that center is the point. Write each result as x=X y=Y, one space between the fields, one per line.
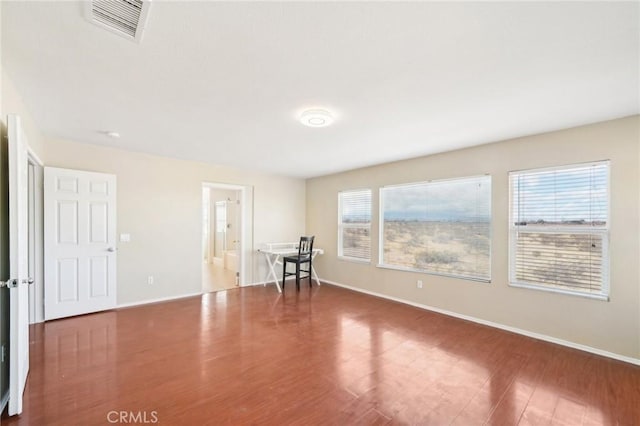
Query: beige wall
x=612 y=326
x=160 y=205
x=11 y=103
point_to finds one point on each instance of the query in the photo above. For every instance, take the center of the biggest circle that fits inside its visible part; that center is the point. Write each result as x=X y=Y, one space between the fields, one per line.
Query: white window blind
x=354 y=224
x=440 y=227
x=559 y=228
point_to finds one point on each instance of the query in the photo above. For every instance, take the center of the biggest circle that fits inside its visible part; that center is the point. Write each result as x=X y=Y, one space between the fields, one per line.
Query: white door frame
x=36 y=290
x=245 y=249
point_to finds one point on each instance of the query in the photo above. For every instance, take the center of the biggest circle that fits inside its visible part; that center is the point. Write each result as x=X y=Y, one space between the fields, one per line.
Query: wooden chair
x=305 y=256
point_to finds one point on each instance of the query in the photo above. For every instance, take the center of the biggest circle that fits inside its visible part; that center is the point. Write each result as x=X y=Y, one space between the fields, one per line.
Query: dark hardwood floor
x=321 y=356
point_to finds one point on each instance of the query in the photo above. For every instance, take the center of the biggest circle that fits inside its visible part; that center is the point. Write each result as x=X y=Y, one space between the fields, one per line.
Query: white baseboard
x=269 y=283
x=160 y=299
x=182 y=296
x=527 y=333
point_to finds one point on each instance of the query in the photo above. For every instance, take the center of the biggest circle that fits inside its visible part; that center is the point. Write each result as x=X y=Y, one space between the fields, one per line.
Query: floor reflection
x=318 y=356
x=215 y=277
x=423 y=368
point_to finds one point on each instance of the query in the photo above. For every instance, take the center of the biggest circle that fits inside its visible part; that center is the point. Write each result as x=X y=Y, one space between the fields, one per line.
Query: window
x=354 y=224
x=560 y=229
x=440 y=227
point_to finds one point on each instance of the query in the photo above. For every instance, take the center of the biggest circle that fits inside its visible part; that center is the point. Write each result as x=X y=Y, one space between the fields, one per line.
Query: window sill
x=602 y=297
x=355 y=260
x=422 y=271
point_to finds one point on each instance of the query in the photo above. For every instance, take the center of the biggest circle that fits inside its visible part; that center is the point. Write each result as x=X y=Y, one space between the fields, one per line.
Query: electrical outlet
x=150 y=279
x=419 y=284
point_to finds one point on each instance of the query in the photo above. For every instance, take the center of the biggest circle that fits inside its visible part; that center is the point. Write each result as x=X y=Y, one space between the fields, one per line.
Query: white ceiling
x=224 y=82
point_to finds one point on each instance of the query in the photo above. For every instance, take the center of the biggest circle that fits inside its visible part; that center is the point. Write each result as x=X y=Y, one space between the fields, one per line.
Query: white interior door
x=18 y=265
x=79 y=242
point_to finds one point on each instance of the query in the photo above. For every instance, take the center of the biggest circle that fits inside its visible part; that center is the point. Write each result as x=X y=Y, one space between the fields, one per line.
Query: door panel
x=99 y=276
x=66 y=184
x=67 y=280
x=67 y=222
x=98 y=220
x=80 y=241
x=100 y=187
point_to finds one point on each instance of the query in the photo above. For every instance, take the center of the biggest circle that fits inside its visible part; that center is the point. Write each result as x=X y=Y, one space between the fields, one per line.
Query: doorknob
x=111 y=249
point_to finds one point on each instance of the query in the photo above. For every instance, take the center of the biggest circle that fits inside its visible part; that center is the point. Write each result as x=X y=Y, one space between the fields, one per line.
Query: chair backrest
x=305 y=248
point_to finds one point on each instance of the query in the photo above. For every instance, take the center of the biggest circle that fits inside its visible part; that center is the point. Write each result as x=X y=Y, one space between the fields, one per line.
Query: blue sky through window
x=460 y=200
x=575 y=195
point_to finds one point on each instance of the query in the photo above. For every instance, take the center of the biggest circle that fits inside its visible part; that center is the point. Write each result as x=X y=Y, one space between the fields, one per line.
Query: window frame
x=603 y=232
x=383 y=265
x=342 y=226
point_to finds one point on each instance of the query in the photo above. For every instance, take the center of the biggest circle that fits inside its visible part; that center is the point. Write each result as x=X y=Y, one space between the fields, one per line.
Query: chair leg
x=284 y=273
x=298 y=276
x=310 y=273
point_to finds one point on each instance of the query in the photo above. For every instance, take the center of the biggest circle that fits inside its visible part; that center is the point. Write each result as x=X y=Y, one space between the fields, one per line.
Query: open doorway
x=223 y=230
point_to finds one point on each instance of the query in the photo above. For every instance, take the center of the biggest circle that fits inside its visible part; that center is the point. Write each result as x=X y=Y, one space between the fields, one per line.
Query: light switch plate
x=125 y=238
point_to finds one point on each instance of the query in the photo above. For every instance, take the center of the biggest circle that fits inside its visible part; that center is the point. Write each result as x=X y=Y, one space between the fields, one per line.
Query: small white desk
x=274 y=252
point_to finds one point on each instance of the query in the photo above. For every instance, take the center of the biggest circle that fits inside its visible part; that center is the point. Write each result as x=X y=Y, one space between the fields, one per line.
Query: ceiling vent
x=126 y=18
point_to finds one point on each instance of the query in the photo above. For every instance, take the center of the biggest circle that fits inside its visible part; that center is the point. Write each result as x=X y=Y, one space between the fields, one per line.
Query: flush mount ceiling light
x=316 y=118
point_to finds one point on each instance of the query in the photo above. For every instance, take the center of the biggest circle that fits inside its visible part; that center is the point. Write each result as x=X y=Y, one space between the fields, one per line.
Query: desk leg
x=272 y=272
x=313 y=270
